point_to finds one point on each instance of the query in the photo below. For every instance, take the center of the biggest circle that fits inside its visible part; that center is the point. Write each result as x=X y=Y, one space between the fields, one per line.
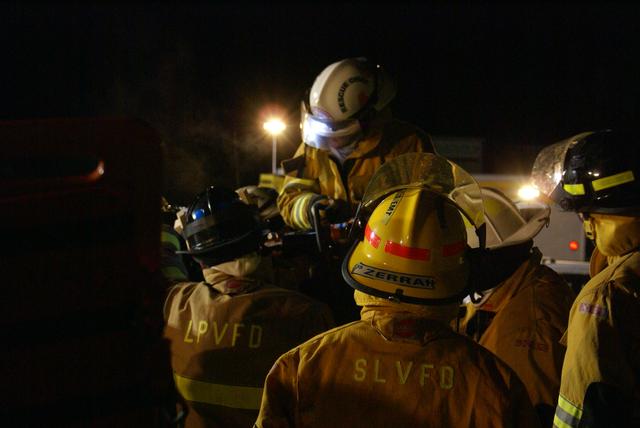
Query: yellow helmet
x=414 y=246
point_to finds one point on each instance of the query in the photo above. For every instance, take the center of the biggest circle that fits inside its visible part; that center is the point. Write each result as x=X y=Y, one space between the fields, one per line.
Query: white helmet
x=342 y=96
x=507 y=226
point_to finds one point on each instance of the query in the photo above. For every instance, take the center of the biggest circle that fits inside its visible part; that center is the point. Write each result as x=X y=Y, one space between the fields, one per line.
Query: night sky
x=205 y=74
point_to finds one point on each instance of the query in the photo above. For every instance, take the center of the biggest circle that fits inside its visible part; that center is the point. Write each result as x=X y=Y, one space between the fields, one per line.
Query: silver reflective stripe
x=567 y=415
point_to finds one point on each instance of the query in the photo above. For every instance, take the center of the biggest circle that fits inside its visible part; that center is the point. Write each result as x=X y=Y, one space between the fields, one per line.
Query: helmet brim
x=218 y=245
x=398 y=296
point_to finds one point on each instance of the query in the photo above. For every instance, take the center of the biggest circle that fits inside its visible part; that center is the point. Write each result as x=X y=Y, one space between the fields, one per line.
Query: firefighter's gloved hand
x=335 y=210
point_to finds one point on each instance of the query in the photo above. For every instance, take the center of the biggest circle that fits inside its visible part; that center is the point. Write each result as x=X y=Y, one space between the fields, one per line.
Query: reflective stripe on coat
x=223 y=345
x=316 y=173
x=603 y=342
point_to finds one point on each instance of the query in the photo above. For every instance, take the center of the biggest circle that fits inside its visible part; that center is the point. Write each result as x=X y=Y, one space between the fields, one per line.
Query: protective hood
x=369 y=303
x=615 y=235
x=242 y=266
x=341 y=154
x=233 y=277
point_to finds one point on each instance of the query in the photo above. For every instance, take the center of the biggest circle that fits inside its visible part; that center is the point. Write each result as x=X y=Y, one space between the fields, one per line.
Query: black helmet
x=600 y=174
x=220 y=227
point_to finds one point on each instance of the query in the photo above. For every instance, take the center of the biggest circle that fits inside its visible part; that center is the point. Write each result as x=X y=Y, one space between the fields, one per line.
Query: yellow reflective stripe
x=297 y=182
x=236 y=397
x=272 y=181
x=299 y=212
x=167 y=237
x=295 y=213
x=574 y=189
x=172 y=272
x=303 y=184
x=569 y=407
x=612 y=180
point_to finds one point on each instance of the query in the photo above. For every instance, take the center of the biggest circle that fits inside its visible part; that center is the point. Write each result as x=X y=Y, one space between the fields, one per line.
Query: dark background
x=205 y=75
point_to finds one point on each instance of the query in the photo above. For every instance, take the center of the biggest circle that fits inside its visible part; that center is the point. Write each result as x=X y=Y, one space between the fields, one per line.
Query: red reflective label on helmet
x=413 y=253
x=453 y=249
x=371 y=237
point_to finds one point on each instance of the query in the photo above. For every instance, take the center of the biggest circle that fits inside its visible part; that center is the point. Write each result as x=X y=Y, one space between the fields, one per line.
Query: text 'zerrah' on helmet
x=592 y=172
x=342 y=99
x=413 y=248
x=219 y=227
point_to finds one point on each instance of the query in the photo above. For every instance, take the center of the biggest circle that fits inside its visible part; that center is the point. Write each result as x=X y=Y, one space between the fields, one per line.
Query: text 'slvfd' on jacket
x=312 y=171
x=391 y=369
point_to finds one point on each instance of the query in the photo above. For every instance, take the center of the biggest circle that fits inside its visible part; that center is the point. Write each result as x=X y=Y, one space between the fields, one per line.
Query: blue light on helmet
x=198 y=214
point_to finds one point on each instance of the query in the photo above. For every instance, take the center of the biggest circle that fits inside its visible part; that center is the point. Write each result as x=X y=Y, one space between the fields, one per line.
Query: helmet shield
x=430 y=172
x=325 y=134
x=592 y=172
x=548 y=167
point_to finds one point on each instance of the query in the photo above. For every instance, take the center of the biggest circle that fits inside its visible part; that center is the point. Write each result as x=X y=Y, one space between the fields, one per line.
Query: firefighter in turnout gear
x=347 y=132
x=227 y=331
x=401 y=364
x=596 y=175
x=523 y=316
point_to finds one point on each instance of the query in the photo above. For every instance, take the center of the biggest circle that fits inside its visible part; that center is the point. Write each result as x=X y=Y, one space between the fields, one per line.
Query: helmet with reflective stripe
x=414 y=246
x=413 y=250
x=220 y=227
x=592 y=172
x=343 y=97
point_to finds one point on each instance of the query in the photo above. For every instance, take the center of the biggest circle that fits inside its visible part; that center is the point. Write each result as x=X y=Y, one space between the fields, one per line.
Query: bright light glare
x=528 y=192
x=274 y=126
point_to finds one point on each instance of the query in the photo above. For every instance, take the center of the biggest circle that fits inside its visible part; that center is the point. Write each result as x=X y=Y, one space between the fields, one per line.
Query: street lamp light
x=274 y=127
